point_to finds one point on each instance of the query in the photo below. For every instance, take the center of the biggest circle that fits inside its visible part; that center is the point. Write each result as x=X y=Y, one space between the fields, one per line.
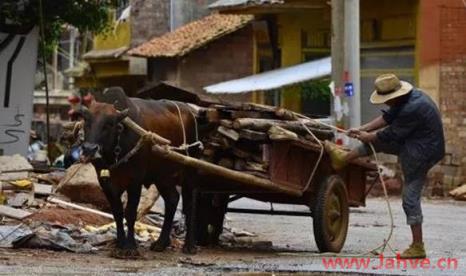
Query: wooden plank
x=13 y=212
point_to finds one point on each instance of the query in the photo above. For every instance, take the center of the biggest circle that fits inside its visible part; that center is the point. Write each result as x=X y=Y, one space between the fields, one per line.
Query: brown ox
x=107 y=141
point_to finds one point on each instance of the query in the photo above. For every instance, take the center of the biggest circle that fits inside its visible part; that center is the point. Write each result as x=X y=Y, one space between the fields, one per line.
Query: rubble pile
x=38 y=210
x=242 y=134
x=35 y=212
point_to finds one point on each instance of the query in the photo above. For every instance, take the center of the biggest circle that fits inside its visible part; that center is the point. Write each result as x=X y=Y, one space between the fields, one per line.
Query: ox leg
x=130 y=246
x=170 y=197
x=190 y=202
x=134 y=195
x=114 y=198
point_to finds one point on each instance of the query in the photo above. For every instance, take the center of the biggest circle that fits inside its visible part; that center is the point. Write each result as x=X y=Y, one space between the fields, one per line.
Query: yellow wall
x=118 y=36
x=290 y=42
x=291 y=27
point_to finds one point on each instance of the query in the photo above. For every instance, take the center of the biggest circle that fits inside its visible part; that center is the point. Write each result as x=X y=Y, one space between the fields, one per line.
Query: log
x=285 y=114
x=247 y=179
x=253 y=135
x=226 y=123
x=277 y=133
x=295 y=126
x=228 y=132
x=236 y=114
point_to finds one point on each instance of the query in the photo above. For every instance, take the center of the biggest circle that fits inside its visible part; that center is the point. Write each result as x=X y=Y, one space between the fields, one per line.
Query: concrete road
x=293 y=249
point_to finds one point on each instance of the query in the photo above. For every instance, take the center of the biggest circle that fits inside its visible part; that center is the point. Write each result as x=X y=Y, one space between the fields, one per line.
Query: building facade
x=422 y=41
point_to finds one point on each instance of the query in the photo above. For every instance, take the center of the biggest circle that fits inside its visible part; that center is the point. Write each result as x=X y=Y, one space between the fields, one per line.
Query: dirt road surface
x=293 y=249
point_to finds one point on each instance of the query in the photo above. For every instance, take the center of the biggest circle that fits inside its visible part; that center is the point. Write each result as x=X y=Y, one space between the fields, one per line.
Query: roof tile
x=191 y=36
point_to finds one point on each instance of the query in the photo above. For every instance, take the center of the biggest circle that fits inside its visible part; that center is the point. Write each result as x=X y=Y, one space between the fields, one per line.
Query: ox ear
x=122 y=114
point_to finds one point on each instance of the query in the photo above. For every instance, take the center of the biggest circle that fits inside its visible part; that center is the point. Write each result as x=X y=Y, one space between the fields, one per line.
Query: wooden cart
x=329 y=194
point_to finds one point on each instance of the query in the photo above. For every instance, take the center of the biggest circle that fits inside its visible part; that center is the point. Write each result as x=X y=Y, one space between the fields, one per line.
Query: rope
x=386 y=241
x=322 y=149
x=185 y=146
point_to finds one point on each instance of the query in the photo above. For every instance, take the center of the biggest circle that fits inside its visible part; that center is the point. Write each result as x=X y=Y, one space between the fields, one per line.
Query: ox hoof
x=126 y=253
x=189 y=250
x=159 y=246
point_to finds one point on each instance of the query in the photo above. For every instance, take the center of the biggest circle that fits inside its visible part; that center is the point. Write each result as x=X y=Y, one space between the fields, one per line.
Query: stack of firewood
x=241 y=134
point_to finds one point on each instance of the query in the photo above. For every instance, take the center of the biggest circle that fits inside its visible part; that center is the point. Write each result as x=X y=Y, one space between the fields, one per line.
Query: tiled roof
x=234 y=3
x=191 y=36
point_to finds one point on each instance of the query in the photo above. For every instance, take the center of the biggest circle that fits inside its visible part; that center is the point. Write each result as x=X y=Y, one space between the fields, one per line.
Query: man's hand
x=366 y=137
x=353 y=132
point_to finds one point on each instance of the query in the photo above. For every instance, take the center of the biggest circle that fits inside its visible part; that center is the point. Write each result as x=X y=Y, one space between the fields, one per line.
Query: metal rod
x=269 y=212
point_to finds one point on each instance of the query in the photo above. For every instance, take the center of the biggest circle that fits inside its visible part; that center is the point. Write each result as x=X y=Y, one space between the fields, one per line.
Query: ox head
x=102 y=124
x=101 y=130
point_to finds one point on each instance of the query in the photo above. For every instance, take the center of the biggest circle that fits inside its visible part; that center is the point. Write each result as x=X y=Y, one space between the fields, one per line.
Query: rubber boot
x=337 y=155
x=414 y=251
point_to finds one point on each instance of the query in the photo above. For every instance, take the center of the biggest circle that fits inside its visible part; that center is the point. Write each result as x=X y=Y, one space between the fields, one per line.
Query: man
x=412 y=129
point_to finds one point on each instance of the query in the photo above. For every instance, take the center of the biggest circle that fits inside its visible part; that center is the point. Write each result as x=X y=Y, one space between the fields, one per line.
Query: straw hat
x=387 y=87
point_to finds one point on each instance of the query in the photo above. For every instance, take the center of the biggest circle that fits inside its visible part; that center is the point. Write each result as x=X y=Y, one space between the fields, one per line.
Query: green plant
x=316 y=90
x=86 y=15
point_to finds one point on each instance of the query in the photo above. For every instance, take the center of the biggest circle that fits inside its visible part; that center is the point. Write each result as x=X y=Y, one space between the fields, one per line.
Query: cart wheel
x=331 y=215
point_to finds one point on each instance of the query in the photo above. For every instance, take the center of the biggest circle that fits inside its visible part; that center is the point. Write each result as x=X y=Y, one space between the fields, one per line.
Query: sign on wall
x=18 y=58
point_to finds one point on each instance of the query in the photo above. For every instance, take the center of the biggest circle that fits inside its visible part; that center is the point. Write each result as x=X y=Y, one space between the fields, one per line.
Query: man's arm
x=375 y=124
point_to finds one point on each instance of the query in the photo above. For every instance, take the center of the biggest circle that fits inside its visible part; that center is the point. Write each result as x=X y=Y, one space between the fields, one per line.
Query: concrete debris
x=42 y=189
x=18 y=200
x=81 y=185
x=459 y=193
x=13 y=212
x=14 y=167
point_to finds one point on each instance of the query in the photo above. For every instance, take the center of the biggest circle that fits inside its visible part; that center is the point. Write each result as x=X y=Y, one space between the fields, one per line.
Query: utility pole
x=338 y=62
x=352 y=63
x=346 y=65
